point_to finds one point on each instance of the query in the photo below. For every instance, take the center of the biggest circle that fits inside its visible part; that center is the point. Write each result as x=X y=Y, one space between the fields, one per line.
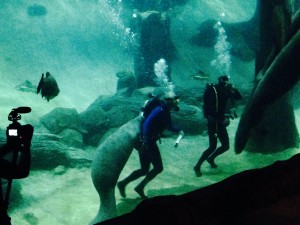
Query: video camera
x=14 y=132
x=18 y=139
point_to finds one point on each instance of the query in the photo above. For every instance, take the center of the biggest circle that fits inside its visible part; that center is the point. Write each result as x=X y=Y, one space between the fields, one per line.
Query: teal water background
x=84 y=43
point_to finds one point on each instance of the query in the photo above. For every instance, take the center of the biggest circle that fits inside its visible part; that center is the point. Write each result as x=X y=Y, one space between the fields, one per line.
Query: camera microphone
x=23 y=109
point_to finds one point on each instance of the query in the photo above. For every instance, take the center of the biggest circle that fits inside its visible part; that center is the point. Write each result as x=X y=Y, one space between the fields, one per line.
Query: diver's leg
x=212 y=147
x=145 y=165
x=224 y=139
x=157 y=169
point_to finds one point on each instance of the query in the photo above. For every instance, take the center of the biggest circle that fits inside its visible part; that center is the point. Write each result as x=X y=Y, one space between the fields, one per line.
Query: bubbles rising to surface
x=160 y=70
x=113 y=10
x=222 y=47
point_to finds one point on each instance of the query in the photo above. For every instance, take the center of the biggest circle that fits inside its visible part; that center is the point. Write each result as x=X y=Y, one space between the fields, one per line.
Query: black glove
x=226 y=122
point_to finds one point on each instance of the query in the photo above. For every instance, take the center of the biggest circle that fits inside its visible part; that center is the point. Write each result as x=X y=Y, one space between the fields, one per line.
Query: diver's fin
x=40 y=84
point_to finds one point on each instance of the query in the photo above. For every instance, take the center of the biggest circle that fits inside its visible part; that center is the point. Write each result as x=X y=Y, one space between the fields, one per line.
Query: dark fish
x=48 y=87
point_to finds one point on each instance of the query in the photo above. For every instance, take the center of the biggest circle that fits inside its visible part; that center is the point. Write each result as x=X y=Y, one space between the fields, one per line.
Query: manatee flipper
x=40 y=84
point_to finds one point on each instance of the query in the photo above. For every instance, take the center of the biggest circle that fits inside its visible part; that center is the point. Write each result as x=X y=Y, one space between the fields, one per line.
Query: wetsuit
x=215 y=100
x=152 y=128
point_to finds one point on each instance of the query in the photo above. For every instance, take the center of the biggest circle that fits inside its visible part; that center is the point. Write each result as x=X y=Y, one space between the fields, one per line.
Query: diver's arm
x=235 y=93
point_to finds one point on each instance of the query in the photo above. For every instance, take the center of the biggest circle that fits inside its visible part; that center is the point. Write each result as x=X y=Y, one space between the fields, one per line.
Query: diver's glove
x=181 y=135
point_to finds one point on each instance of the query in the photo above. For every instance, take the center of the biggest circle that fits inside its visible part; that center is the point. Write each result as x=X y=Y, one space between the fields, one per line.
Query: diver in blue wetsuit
x=152 y=128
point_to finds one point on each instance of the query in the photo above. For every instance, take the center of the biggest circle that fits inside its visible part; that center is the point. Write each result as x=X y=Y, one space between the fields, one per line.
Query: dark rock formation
x=48 y=151
x=61 y=118
x=242 y=36
x=154 y=43
x=126 y=83
x=272 y=88
x=257 y=196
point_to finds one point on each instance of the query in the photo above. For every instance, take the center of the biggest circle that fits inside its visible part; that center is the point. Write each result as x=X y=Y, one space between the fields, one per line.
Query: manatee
x=108 y=163
x=48 y=87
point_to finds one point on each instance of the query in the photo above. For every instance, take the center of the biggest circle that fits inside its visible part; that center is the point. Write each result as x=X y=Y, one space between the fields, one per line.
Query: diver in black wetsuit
x=215 y=103
x=152 y=128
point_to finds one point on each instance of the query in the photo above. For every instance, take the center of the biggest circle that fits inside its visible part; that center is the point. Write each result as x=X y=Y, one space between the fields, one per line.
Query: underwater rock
x=93 y=118
x=243 y=43
x=206 y=35
x=95 y=121
x=36 y=10
x=240 y=48
x=60 y=170
x=190 y=119
x=126 y=83
x=142 y=92
x=61 y=118
x=47 y=154
x=271 y=91
x=72 y=138
x=105 y=113
x=108 y=102
x=117 y=119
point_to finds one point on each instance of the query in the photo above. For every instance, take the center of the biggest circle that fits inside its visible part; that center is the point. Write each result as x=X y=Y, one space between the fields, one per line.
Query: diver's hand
x=181 y=133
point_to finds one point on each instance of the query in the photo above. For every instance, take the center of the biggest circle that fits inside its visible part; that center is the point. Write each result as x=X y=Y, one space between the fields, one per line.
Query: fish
x=48 y=87
x=200 y=75
x=26 y=86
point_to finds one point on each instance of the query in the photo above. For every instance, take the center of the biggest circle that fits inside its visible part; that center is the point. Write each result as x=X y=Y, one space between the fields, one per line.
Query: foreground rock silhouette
x=270 y=195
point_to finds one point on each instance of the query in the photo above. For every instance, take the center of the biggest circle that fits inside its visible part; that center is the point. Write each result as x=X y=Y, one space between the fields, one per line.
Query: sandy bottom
x=71 y=198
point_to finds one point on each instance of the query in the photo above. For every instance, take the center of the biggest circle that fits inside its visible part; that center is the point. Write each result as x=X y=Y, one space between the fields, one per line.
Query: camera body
x=15 y=132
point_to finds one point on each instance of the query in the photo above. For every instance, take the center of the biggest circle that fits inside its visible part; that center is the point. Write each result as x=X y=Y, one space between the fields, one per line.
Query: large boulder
x=72 y=138
x=126 y=83
x=48 y=152
x=94 y=120
x=105 y=113
x=61 y=118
